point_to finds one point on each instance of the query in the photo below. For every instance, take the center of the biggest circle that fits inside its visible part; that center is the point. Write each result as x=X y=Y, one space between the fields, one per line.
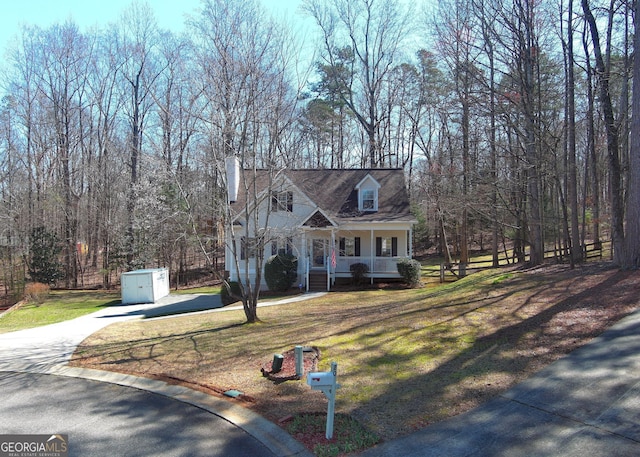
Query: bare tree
x=136 y=42
x=364 y=37
x=247 y=106
x=105 y=168
x=10 y=176
x=630 y=259
x=486 y=18
x=570 y=109
x=592 y=174
x=603 y=69
x=457 y=41
x=63 y=83
x=22 y=85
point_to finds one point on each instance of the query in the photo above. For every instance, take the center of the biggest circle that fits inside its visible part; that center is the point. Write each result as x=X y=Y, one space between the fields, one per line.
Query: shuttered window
x=349 y=246
x=386 y=246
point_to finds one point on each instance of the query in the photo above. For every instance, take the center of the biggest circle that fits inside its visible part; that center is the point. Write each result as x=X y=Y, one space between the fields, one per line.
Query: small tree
x=44 y=265
x=280 y=272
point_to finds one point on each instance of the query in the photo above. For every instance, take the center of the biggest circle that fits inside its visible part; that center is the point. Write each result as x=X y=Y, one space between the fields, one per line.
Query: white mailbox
x=325 y=381
x=321 y=379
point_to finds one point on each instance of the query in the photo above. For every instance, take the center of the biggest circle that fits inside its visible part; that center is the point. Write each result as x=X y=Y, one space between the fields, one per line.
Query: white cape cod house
x=328 y=219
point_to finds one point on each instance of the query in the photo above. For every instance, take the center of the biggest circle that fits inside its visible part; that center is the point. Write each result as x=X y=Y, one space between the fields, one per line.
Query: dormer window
x=368 y=194
x=368 y=200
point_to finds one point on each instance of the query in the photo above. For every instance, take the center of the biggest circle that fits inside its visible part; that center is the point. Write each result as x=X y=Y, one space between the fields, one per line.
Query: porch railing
x=376 y=264
x=378 y=267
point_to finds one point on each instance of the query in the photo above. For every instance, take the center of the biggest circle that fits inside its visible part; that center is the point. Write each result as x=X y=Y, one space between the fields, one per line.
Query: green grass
x=406 y=357
x=59 y=306
x=215 y=290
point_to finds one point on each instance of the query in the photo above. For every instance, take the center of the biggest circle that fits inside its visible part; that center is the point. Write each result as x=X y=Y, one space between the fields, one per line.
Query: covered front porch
x=330 y=252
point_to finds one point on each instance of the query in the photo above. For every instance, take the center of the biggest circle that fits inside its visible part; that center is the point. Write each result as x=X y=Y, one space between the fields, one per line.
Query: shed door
x=143 y=288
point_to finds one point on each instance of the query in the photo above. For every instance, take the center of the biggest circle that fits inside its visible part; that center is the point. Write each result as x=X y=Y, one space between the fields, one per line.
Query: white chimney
x=232 y=165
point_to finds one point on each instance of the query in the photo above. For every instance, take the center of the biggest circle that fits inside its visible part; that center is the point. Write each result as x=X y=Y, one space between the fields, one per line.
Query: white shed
x=144 y=286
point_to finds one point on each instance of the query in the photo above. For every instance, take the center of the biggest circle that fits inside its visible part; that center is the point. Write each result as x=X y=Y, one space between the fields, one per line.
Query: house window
x=369 y=200
x=282 y=246
x=350 y=246
x=247 y=248
x=386 y=246
x=282 y=201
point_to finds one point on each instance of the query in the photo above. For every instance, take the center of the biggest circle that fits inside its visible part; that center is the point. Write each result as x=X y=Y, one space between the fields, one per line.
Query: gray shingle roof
x=334 y=191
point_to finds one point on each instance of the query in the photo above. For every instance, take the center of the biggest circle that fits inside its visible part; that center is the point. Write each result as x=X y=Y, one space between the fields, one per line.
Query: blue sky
x=86 y=13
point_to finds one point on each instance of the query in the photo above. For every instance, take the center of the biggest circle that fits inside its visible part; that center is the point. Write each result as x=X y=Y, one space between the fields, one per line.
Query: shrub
x=280 y=272
x=226 y=297
x=36 y=292
x=359 y=272
x=410 y=270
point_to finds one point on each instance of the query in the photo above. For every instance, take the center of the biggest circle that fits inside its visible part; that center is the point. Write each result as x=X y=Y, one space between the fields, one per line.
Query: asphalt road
x=103 y=419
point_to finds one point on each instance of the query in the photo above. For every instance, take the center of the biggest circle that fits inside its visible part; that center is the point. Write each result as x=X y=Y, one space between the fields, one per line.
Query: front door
x=319 y=253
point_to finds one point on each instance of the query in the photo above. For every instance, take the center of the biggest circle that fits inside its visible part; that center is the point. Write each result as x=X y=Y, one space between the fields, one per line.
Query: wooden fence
x=457 y=270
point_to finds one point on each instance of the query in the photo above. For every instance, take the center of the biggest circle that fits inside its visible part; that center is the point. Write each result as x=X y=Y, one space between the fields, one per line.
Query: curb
x=273 y=437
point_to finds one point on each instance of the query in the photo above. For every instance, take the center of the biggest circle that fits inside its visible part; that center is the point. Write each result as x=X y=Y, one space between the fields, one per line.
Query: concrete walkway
x=48 y=349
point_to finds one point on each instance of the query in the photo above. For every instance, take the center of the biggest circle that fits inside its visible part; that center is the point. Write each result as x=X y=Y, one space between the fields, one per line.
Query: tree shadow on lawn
x=495 y=362
x=533 y=289
x=138 y=350
x=394 y=313
x=487 y=367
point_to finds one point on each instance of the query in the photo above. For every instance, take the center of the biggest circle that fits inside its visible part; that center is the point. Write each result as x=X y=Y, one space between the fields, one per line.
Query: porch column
x=372 y=262
x=334 y=255
x=305 y=260
x=411 y=242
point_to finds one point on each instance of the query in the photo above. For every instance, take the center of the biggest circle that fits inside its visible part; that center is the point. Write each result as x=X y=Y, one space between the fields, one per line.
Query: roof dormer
x=368 y=194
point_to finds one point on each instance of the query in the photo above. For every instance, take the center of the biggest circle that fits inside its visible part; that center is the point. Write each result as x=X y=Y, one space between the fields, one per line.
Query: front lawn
x=406 y=358
x=59 y=306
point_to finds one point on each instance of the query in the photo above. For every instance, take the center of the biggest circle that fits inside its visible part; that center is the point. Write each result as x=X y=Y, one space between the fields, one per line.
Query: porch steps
x=318 y=281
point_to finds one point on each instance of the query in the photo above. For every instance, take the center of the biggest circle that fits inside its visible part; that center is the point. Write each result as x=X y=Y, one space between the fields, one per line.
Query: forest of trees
x=511 y=118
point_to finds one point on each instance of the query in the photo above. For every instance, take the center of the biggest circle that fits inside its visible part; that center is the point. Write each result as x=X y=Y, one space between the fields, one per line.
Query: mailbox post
x=325 y=381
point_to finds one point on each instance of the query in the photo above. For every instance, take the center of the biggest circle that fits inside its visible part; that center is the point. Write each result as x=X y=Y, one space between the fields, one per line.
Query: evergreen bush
x=44 y=266
x=226 y=297
x=280 y=272
x=410 y=270
x=359 y=272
